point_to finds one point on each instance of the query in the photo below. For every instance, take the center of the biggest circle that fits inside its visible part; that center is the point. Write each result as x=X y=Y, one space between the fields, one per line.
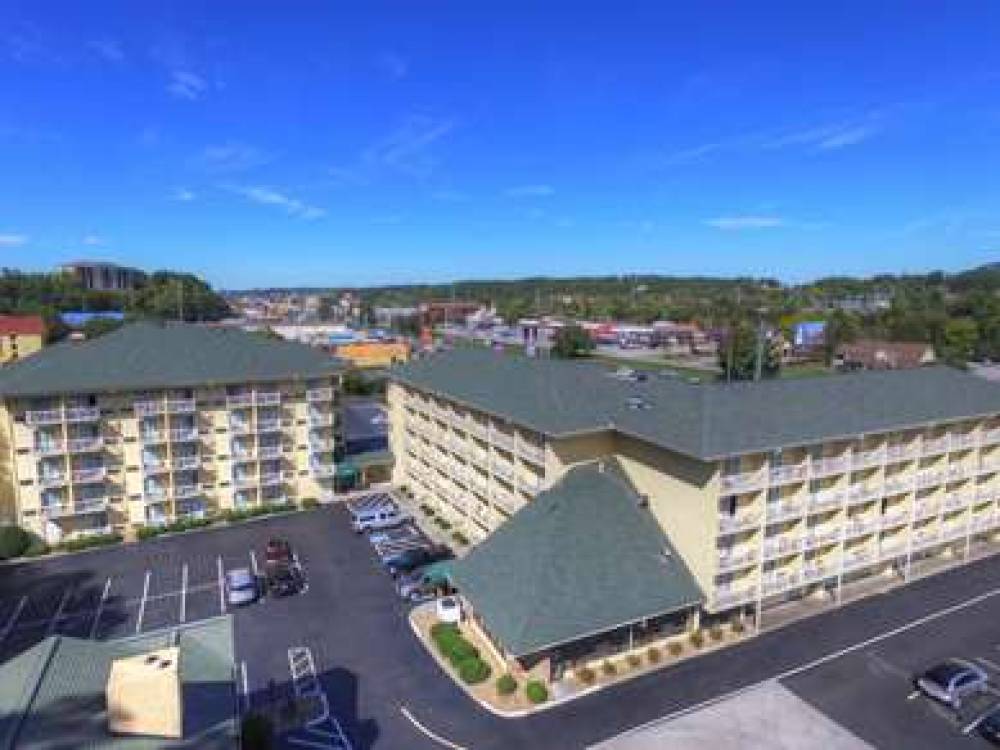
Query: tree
x=572 y=341
x=739 y=350
x=958 y=341
x=841 y=328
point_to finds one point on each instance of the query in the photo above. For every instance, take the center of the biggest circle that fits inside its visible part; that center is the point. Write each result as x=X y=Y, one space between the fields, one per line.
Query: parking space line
x=222 y=588
x=13 y=618
x=184 y=585
x=142 y=604
x=427 y=732
x=302 y=572
x=59 y=611
x=253 y=564
x=100 y=608
x=987 y=663
x=246 y=686
x=978 y=720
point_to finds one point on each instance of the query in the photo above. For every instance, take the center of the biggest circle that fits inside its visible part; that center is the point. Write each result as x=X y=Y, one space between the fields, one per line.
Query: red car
x=278 y=551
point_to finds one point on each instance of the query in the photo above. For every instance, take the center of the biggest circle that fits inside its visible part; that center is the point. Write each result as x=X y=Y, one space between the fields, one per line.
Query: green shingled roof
x=52 y=695
x=704 y=420
x=148 y=355
x=581 y=559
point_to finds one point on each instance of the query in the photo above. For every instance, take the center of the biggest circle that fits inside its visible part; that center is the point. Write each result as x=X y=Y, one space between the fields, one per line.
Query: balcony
x=740 y=522
x=89 y=475
x=866 y=459
x=729 y=596
x=183 y=463
x=245 y=480
x=896 y=518
x=781 y=546
x=925 y=509
x=79 y=508
x=531 y=485
x=503 y=469
x=898 y=486
x=820 y=537
x=934 y=446
x=183 y=434
x=987 y=496
x=791 y=473
x=990 y=437
x=267 y=398
x=962 y=441
x=783 y=510
x=268 y=425
x=53 y=448
x=271 y=451
x=532 y=453
x=743 y=482
x=898 y=453
x=858 y=558
x=955 y=501
x=861 y=527
x=148 y=408
x=322 y=470
x=989 y=465
x=891 y=549
x=328 y=444
x=82 y=414
x=863 y=493
x=85 y=444
x=957 y=472
x=158 y=466
x=270 y=478
x=239 y=400
x=929 y=478
x=502 y=440
x=826 y=466
x=926 y=538
x=52 y=479
x=816 y=571
x=825 y=500
x=155 y=494
x=43 y=416
x=181 y=406
x=953 y=531
x=316 y=395
x=186 y=490
x=983 y=521
x=775 y=582
x=320 y=418
x=737 y=557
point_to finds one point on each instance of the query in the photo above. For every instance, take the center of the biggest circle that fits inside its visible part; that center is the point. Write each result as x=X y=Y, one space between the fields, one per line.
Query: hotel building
x=768 y=491
x=156 y=422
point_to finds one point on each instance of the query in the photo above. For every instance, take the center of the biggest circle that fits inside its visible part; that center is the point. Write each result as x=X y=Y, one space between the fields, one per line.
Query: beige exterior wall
x=78 y=464
x=16 y=346
x=754 y=529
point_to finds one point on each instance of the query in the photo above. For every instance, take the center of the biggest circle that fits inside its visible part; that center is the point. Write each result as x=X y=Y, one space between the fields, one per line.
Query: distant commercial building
x=20 y=336
x=369 y=354
x=156 y=422
x=763 y=491
x=447 y=313
x=78 y=319
x=104 y=277
x=872 y=354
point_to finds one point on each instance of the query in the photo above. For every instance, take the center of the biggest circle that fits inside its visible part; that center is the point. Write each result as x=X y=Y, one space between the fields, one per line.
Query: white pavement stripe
x=184 y=585
x=308 y=743
x=59 y=611
x=246 y=686
x=13 y=618
x=428 y=733
x=142 y=604
x=978 y=720
x=987 y=663
x=810 y=665
x=222 y=588
x=100 y=608
x=253 y=563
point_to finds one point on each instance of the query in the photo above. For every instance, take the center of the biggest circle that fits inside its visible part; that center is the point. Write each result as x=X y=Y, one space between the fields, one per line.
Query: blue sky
x=262 y=143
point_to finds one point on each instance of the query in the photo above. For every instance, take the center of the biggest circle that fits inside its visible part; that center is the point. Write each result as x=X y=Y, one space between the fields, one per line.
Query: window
x=729 y=505
x=773 y=494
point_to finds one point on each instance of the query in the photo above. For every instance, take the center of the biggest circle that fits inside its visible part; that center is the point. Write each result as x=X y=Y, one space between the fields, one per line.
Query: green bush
x=697 y=639
x=473 y=670
x=536 y=692
x=427 y=510
x=675 y=648
x=738 y=626
x=634 y=660
x=716 y=633
x=506 y=684
x=586 y=675
x=444 y=523
x=37 y=547
x=460 y=538
x=653 y=654
x=13 y=542
x=87 y=542
x=257 y=733
x=310 y=503
x=609 y=668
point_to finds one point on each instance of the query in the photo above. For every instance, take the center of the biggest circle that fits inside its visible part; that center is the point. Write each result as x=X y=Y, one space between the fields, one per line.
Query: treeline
x=163 y=294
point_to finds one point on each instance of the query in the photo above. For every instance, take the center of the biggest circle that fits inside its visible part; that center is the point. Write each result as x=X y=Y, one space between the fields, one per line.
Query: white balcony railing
x=825 y=466
x=270 y=478
x=863 y=493
x=532 y=453
x=267 y=398
x=925 y=509
x=990 y=437
x=781 y=546
x=52 y=448
x=81 y=507
x=771 y=584
x=743 y=482
x=184 y=463
x=783 y=510
x=43 y=416
x=155 y=494
x=896 y=518
x=180 y=405
x=858 y=558
x=791 y=473
x=861 y=527
x=730 y=596
x=323 y=471
x=825 y=500
x=90 y=474
x=82 y=414
x=816 y=571
x=819 y=537
x=321 y=418
x=934 y=446
x=314 y=395
x=183 y=434
x=897 y=453
x=864 y=459
x=148 y=408
x=930 y=478
x=239 y=400
x=186 y=490
x=955 y=501
x=245 y=480
x=269 y=451
x=268 y=425
x=52 y=479
x=961 y=441
x=733 y=559
x=85 y=444
x=738 y=522
x=897 y=485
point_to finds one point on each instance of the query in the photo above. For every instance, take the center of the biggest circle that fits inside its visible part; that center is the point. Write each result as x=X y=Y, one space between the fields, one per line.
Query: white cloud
x=530 y=191
x=266 y=196
x=92 y=240
x=182 y=195
x=186 y=85
x=107 y=49
x=830 y=136
x=13 y=240
x=738 y=223
x=232 y=156
x=407 y=148
x=393 y=65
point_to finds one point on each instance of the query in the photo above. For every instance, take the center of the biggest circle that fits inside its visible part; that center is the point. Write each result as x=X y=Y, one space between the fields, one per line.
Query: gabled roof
x=150 y=355
x=703 y=420
x=582 y=558
x=52 y=695
x=22 y=324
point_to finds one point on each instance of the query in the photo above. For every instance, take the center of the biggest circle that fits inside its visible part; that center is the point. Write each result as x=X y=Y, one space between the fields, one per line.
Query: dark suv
x=411 y=559
x=282 y=579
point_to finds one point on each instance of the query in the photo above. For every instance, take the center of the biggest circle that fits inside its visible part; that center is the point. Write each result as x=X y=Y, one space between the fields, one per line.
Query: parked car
x=282 y=579
x=449 y=609
x=408 y=560
x=413 y=587
x=278 y=550
x=241 y=587
x=951 y=681
x=379 y=518
x=402 y=531
x=989 y=726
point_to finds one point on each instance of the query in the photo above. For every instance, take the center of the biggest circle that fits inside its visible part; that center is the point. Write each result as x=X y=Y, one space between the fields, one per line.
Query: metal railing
x=791 y=473
x=864 y=459
x=90 y=474
x=739 y=522
x=81 y=507
x=180 y=405
x=319 y=394
x=85 y=444
x=148 y=408
x=744 y=481
x=82 y=414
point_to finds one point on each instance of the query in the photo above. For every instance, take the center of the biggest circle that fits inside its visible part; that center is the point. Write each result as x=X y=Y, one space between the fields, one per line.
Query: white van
x=379 y=518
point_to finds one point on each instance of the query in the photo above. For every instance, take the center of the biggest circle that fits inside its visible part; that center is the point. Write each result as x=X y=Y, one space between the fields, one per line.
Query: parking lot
x=385 y=691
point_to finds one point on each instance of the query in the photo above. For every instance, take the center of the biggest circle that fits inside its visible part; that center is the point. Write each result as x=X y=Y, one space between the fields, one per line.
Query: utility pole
x=759 y=354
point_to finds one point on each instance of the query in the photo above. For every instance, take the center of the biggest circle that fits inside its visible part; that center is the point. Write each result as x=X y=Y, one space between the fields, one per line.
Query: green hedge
x=460 y=538
x=536 y=692
x=474 y=670
x=242 y=514
x=182 y=524
x=310 y=503
x=462 y=655
x=506 y=684
x=86 y=542
x=13 y=542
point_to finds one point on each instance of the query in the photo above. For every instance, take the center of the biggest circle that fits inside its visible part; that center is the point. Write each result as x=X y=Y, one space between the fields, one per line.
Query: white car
x=241 y=587
x=378 y=519
x=449 y=610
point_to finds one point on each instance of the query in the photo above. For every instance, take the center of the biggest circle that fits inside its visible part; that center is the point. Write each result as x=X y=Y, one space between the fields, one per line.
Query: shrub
x=444 y=523
x=13 y=542
x=675 y=648
x=586 y=675
x=473 y=670
x=609 y=668
x=37 y=547
x=738 y=627
x=506 y=684
x=257 y=733
x=310 y=503
x=653 y=655
x=460 y=538
x=716 y=633
x=427 y=510
x=634 y=660
x=536 y=692
x=86 y=542
x=453 y=645
x=697 y=639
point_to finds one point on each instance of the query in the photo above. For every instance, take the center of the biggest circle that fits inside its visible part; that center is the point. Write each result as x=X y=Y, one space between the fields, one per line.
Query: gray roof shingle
x=704 y=420
x=149 y=355
x=581 y=559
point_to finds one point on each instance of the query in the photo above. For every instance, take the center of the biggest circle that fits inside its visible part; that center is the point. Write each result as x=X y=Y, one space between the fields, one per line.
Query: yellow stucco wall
x=18 y=346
